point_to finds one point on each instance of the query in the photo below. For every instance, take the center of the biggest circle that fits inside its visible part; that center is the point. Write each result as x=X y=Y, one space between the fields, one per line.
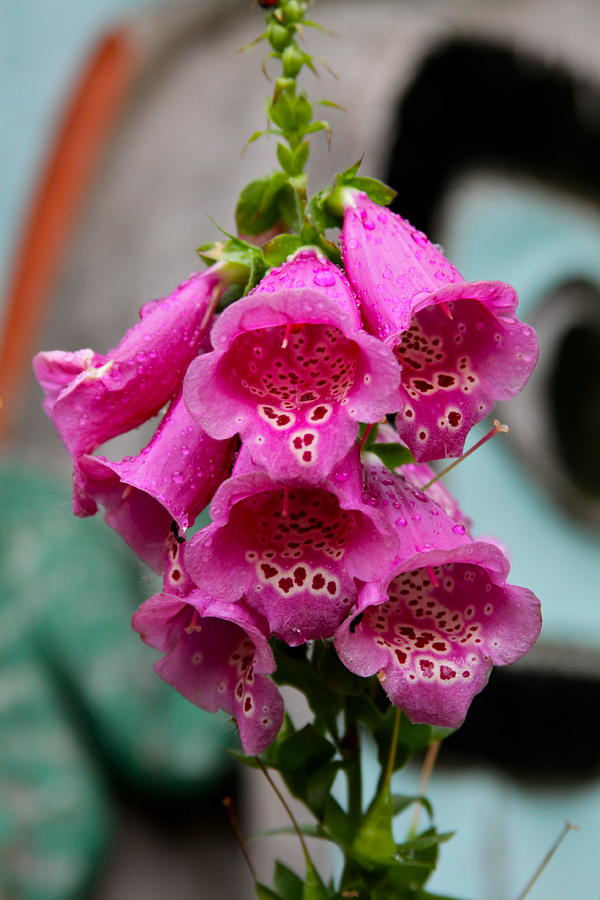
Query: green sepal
x=391 y=455
x=376 y=190
x=257 y=209
x=319 y=213
x=266 y=893
x=301 y=157
x=373 y=844
x=314 y=888
x=278 y=36
x=277 y=250
x=312 y=235
x=236 y=253
x=289 y=885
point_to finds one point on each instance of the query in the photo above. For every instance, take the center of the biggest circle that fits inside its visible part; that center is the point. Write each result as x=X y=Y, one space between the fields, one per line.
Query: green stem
x=387 y=778
x=352 y=747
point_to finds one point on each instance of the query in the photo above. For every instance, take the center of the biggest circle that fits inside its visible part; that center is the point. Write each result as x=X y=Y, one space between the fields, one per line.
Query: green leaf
x=319 y=784
x=289 y=885
x=304 y=752
x=314 y=889
x=265 y=893
x=337 y=823
x=429 y=838
x=286 y=158
x=400 y=802
x=392 y=455
x=301 y=156
x=257 y=209
x=289 y=208
x=277 y=250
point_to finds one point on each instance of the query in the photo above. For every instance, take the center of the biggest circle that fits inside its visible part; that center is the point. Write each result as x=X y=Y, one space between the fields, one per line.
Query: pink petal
x=92 y=398
x=292 y=549
x=171 y=480
x=460 y=345
x=292 y=372
x=218 y=656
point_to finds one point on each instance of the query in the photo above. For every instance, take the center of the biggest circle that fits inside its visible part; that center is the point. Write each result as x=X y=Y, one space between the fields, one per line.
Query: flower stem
x=288 y=810
x=387 y=778
x=566 y=827
x=428 y=766
x=498 y=426
x=352 y=746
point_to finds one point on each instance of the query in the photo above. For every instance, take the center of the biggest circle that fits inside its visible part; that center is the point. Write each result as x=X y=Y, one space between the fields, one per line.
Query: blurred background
x=124 y=121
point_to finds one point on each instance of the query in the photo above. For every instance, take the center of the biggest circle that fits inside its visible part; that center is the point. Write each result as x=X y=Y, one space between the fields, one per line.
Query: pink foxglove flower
x=294 y=550
x=169 y=482
x=218 y=656
x=440 y=617
x=92 y=397
x=292 y=371
x=460 y=345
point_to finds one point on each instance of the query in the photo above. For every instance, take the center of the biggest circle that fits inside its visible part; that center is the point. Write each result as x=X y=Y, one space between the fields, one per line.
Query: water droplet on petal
x=458 y=529
x=324 y=278
x=177 y=477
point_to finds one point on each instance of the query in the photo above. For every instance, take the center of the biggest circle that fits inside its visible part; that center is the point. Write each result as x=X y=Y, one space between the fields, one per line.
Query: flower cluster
x=309 y=539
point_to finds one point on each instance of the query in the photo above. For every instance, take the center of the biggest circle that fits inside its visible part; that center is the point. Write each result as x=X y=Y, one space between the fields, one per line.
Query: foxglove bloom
x=293 y=550
x=216 y=654
x=292 y=371
x=460 y=345
x=168 y=483
x=442 y=614
x=92 y=397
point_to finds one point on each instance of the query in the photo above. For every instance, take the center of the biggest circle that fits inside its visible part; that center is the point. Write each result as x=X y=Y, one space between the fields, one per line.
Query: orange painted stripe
x=65 y=181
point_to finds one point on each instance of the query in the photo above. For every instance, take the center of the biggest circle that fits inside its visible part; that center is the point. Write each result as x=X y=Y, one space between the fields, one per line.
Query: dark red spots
x=307 y=456
x=308 y=439
x=297 y=442
x=407 y=631
x=300 y=575
x=247 y=704
x=282 y=420
x=446 y=673
x=307 y=397
x=268 y=571
x=440 y=646
x=331 y=588
x=423 y=386
x=454 y=418
x=240 y=690
x=318 y=582
x=400 y=656
x=175 y=575
x=318 y=413
x=446 y=381
x=286 y=584
x=426 y=667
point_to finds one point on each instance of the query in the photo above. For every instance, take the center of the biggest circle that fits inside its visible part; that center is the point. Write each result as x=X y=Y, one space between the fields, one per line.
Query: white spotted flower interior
x=292 y=371
x=441 y=616
x=292 y=549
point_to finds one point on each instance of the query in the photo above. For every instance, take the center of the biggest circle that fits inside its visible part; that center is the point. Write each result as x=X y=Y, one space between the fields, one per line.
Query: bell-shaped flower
x=440 y=617
x=294 y=550
x=459 y=343
x=92 y=397
x=166 y=485
x=292 y=371
x=217 y=655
